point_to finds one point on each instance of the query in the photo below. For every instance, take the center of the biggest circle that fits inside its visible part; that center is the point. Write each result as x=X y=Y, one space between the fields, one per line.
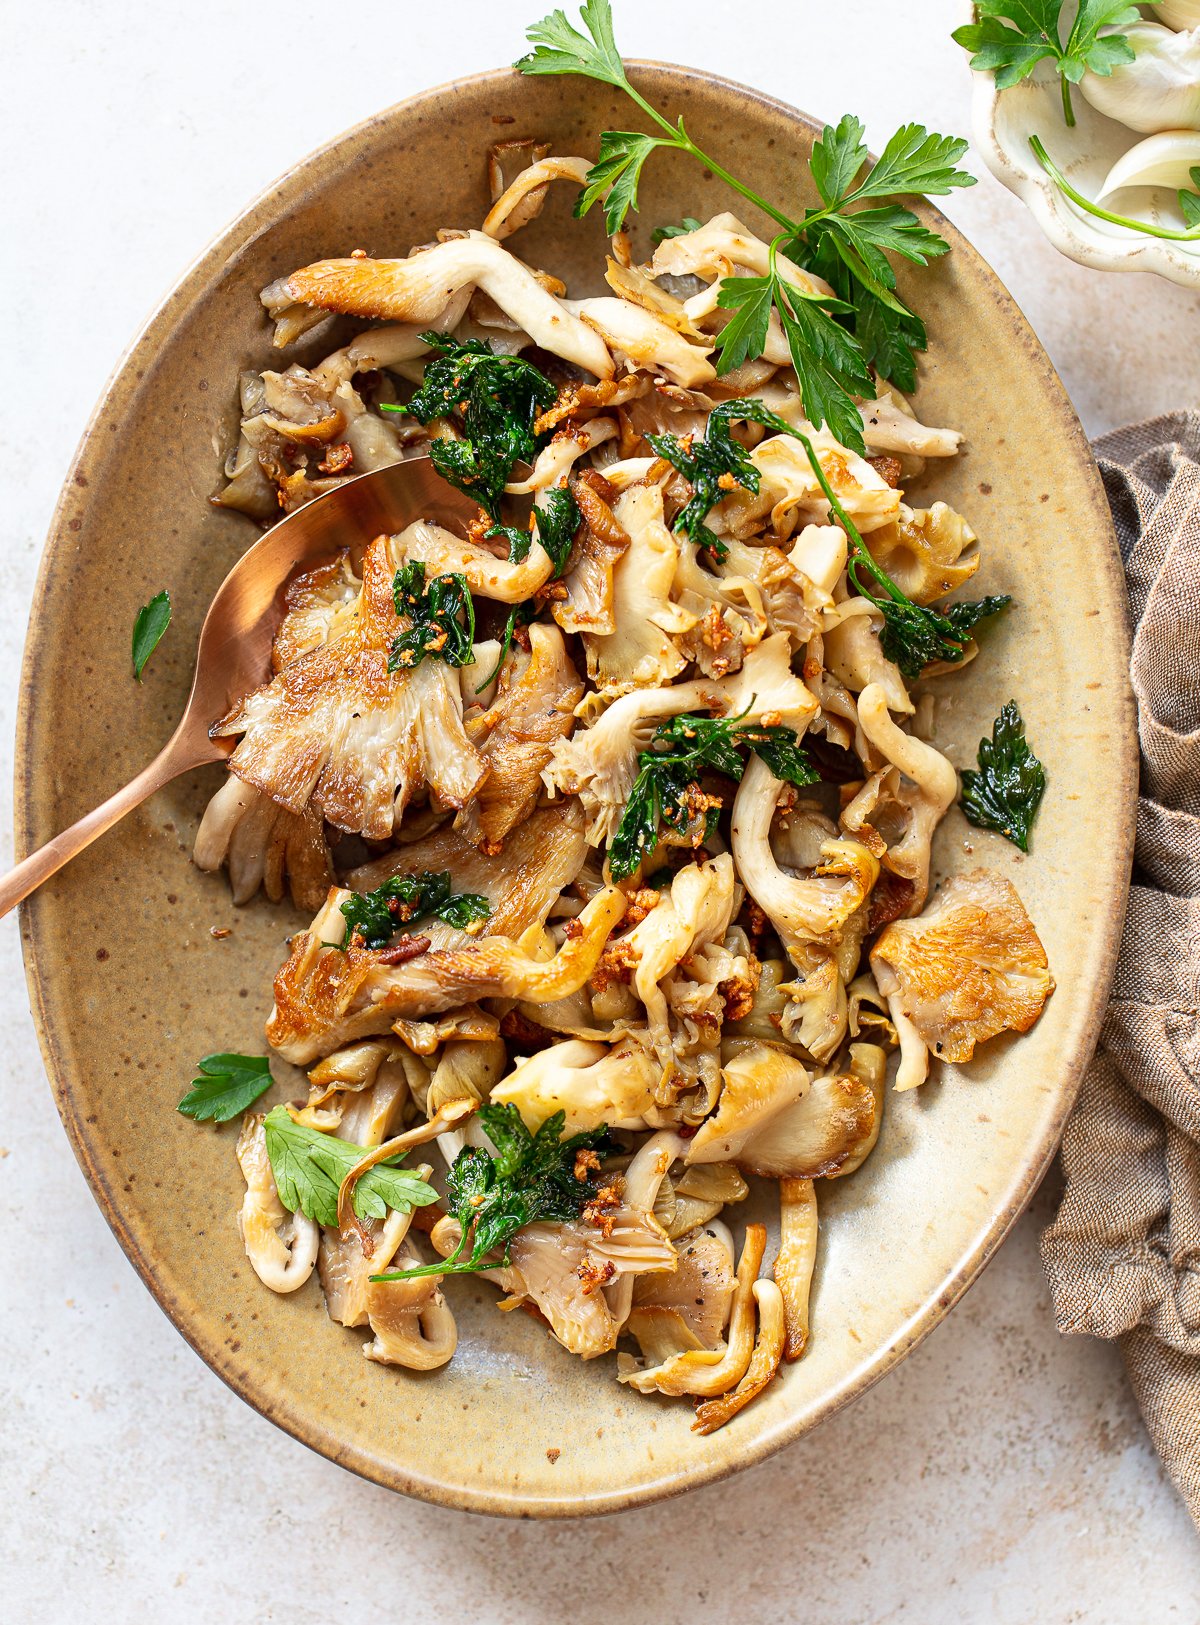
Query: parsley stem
x=747 y=192
x=1064 y=185
x=858 y=546
x=683 y=142
x=1068 y=109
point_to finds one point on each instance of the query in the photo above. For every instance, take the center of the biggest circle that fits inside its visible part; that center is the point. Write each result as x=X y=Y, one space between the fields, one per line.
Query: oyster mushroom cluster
x=619 y=871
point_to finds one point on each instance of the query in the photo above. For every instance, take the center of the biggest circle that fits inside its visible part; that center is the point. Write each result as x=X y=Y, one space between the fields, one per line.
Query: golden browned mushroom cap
x=720 y=247
x=928 y=770
x=802 y=908
x=792 y=496
x=326 y=997
x=759 y=1081
x=928 y=552
x=593 y=1083
x=889 y=424
x=693 y=1196
x=535 y=700
x=336 y=728
x=645 y=340
x=854 y=657
x=418 y=289
x=834 y=1123
x=345 y=1265
x=412 y=1322
x=521 y=201
x=692 y=915
x=264 y=845
x=687 y=1308
x=968 y=968
x=639 y=652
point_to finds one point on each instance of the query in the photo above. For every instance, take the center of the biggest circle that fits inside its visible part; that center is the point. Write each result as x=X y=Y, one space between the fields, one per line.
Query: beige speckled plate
x=129 y=987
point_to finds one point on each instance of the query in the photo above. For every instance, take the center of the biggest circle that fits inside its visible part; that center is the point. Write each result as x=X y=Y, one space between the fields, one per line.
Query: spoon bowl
x=234 y=654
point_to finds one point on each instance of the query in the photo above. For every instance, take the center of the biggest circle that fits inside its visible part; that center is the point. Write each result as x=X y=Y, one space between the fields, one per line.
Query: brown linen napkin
x=1123 y=1255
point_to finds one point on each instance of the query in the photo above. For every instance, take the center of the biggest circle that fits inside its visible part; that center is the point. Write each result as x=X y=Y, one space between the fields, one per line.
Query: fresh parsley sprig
x=1010 y=37
x=494 y=399
x=309 y=1168
x=227 y=1086
x=1007 y=790
x=433 y=612
x=832 y=341
x=531 y=1177
x=662 y=792
x=830 y=363
x=377 y=915
x=914 y=635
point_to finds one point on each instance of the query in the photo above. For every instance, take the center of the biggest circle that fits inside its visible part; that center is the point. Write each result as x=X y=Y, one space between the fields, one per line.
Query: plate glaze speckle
x=129 y=988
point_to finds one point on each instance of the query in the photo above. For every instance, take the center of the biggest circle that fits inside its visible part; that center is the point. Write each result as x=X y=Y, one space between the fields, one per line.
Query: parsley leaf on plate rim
x=151 y=621
x=227 y=1086
x=1005 y=792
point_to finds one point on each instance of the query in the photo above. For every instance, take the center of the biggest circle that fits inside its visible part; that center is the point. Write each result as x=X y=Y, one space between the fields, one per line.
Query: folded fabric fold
x=1123 y=1255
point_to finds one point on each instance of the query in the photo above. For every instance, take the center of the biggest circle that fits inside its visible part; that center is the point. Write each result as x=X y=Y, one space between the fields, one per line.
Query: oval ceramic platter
x=129 y=987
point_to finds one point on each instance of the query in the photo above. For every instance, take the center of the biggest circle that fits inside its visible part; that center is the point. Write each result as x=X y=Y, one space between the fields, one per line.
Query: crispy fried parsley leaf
x=375 y=916
x=557 y=519
x=495 y=399
x=531 y=1177
x=1010 y=38
x=149 y=625
x=1007 y=790
x=667 y=772
x=309 y=1167
x=915 y=635
x=227 y=1086
x=433 y=611
x=712 y=466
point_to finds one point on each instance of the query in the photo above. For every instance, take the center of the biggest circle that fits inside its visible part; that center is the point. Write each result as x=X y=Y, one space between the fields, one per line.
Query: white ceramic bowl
x=1003 y=122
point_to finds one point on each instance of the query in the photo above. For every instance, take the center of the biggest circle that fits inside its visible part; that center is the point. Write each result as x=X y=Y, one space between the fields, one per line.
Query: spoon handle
x=29 y=874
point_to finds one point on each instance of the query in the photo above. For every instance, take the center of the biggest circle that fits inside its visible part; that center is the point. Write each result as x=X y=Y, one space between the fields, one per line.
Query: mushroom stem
x=793 y=1268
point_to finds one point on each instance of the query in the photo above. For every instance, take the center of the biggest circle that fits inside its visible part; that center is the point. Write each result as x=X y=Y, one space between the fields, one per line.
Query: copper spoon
x=235 y=640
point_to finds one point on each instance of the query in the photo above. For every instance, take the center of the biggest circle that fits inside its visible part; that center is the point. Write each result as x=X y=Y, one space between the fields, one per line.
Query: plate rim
x=229 y=243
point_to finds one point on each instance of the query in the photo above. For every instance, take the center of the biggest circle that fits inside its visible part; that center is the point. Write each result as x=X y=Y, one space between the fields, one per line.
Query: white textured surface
x=1003 y=1472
